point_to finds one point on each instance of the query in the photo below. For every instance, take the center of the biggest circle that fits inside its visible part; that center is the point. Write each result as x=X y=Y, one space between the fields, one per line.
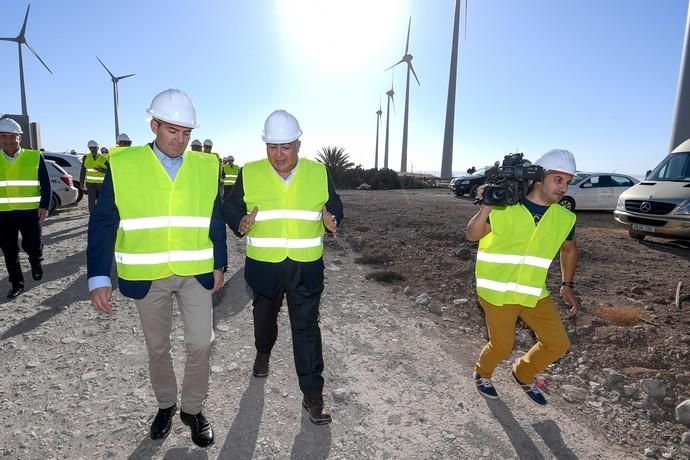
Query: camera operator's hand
x=479 y=197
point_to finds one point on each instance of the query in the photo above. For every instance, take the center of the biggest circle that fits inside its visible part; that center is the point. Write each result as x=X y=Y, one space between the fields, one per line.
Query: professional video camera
x=507 y=183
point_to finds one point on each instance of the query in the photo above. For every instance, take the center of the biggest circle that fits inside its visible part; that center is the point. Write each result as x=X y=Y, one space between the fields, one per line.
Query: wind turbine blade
x=106 y=68
x=465 y=19
x=26 y=17
x=8 y=39
x=407 y=43
x=38 y=57
x=399 y=62
x=126 y=76
x=415 y=74
x=393 y=101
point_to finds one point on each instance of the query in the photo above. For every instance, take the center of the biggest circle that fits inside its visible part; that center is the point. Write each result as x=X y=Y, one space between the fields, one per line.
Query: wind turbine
x=378 y=123
x=447 y=156
x=407 y=58
x=21 y=40
x=390 y=94
x=116 y=99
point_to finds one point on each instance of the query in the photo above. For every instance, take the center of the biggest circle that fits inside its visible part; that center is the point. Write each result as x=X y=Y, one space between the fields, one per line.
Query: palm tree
x=335 y=159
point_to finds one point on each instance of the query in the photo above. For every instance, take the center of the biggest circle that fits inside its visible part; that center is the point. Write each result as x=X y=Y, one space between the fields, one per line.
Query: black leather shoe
x=313 y=403
x=261 y=364
x=15 y=291
x=202 y=432
x=162 y=422
x=37 y=271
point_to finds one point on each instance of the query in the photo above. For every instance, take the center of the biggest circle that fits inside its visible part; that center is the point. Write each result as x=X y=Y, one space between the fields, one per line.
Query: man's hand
x=218 y=279
x=329 y=221
x=247 y=222
x=568 y=296
x=100 y=299
x=42 y=214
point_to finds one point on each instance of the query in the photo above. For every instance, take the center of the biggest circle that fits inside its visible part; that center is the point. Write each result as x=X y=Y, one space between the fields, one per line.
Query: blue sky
x=596 y=77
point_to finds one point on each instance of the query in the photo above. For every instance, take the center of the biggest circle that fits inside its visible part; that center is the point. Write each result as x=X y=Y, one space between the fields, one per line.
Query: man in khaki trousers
x=172 y=244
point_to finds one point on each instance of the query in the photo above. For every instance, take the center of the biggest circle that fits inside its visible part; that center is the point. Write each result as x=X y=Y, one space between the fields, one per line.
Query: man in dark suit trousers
x=282 y=205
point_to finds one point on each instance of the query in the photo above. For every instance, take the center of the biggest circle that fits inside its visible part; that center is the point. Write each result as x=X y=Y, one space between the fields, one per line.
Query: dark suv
x=469 y=184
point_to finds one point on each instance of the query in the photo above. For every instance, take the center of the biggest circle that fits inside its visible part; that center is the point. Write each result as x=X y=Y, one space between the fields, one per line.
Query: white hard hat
x=174 y=106
x=208 y=143
x=8 y=125
x=196 y=142
x=281 y=128
x=92 y=144
x=123 y=137
x=558 y=160
x=231 y=158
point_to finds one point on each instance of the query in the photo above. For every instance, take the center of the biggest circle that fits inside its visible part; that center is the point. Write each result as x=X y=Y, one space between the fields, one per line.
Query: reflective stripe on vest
x=164 y=224
x=288 y=223
x=19 y=185
x=93 y=175
x=514 y=258
x=231 y=173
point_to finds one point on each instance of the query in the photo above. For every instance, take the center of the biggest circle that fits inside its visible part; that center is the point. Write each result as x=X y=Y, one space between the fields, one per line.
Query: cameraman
x=516 y=246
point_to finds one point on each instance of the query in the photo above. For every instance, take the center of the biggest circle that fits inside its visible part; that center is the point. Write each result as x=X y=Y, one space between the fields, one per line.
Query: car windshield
x=674 y=168
x=577 y=178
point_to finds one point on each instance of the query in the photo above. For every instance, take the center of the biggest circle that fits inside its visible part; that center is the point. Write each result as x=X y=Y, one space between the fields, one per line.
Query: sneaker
x=532 y=391
x=485 y=387
x=313 y=403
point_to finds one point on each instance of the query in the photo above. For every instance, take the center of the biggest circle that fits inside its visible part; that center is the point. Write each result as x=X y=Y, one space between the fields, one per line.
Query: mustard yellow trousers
x=543 y=319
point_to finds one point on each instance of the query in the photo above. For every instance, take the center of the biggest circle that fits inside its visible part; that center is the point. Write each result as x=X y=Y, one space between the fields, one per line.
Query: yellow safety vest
x=514 y=258
x=19 y=185
x=289 y=222
x=164 y=224
x=231 y=173
x=93 y=176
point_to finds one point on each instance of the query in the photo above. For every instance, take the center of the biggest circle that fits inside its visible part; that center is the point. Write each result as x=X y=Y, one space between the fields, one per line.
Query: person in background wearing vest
x=282 y=205
x=516 y=246
x=92 y=173
x=24 y=202
x=123 y=141
x=208 y=145
x=230 y=172
x=196 y=146
x=172 y=244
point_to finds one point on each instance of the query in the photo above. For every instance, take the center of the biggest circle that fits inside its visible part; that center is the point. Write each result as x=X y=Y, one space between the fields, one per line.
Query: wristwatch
x=568 y=283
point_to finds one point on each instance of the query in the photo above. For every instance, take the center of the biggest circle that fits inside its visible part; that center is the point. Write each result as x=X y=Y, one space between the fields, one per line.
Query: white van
x=660 y=204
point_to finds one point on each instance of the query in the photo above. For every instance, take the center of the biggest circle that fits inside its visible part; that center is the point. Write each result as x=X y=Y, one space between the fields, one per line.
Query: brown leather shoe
x=261 y=362
x=313 y=403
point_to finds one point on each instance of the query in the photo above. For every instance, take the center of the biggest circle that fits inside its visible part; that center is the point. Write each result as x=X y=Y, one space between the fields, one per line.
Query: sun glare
x=342 y=36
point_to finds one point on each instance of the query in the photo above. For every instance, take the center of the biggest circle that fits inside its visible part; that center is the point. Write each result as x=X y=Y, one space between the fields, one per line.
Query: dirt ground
x=628 y=320
x=74 y=383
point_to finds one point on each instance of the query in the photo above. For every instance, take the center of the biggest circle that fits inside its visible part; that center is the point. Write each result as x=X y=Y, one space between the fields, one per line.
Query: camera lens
x=497 y=194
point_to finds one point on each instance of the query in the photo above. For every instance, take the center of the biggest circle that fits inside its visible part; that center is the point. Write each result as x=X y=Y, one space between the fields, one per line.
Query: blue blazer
x=103 y=223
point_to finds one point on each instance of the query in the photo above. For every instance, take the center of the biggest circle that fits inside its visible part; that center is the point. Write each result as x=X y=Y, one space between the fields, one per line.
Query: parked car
x=64 y=191
x=469 y=184
x=660 y=204
x=596 y=191
x=71 y=164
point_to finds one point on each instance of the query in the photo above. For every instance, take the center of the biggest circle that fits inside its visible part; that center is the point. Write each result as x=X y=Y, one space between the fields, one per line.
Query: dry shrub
x=385 y=277
x=620 y=316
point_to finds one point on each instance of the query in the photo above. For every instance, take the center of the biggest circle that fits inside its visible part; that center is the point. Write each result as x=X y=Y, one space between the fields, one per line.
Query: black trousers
x=303 y=309
x=93 y=190
x=12 y=223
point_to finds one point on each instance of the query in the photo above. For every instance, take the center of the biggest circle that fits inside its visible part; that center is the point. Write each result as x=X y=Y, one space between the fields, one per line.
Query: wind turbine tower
x=21 y=40
x=390 y=94
x=116 y=97
x=407 y=58
x=447 y=157
x=378 y=124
